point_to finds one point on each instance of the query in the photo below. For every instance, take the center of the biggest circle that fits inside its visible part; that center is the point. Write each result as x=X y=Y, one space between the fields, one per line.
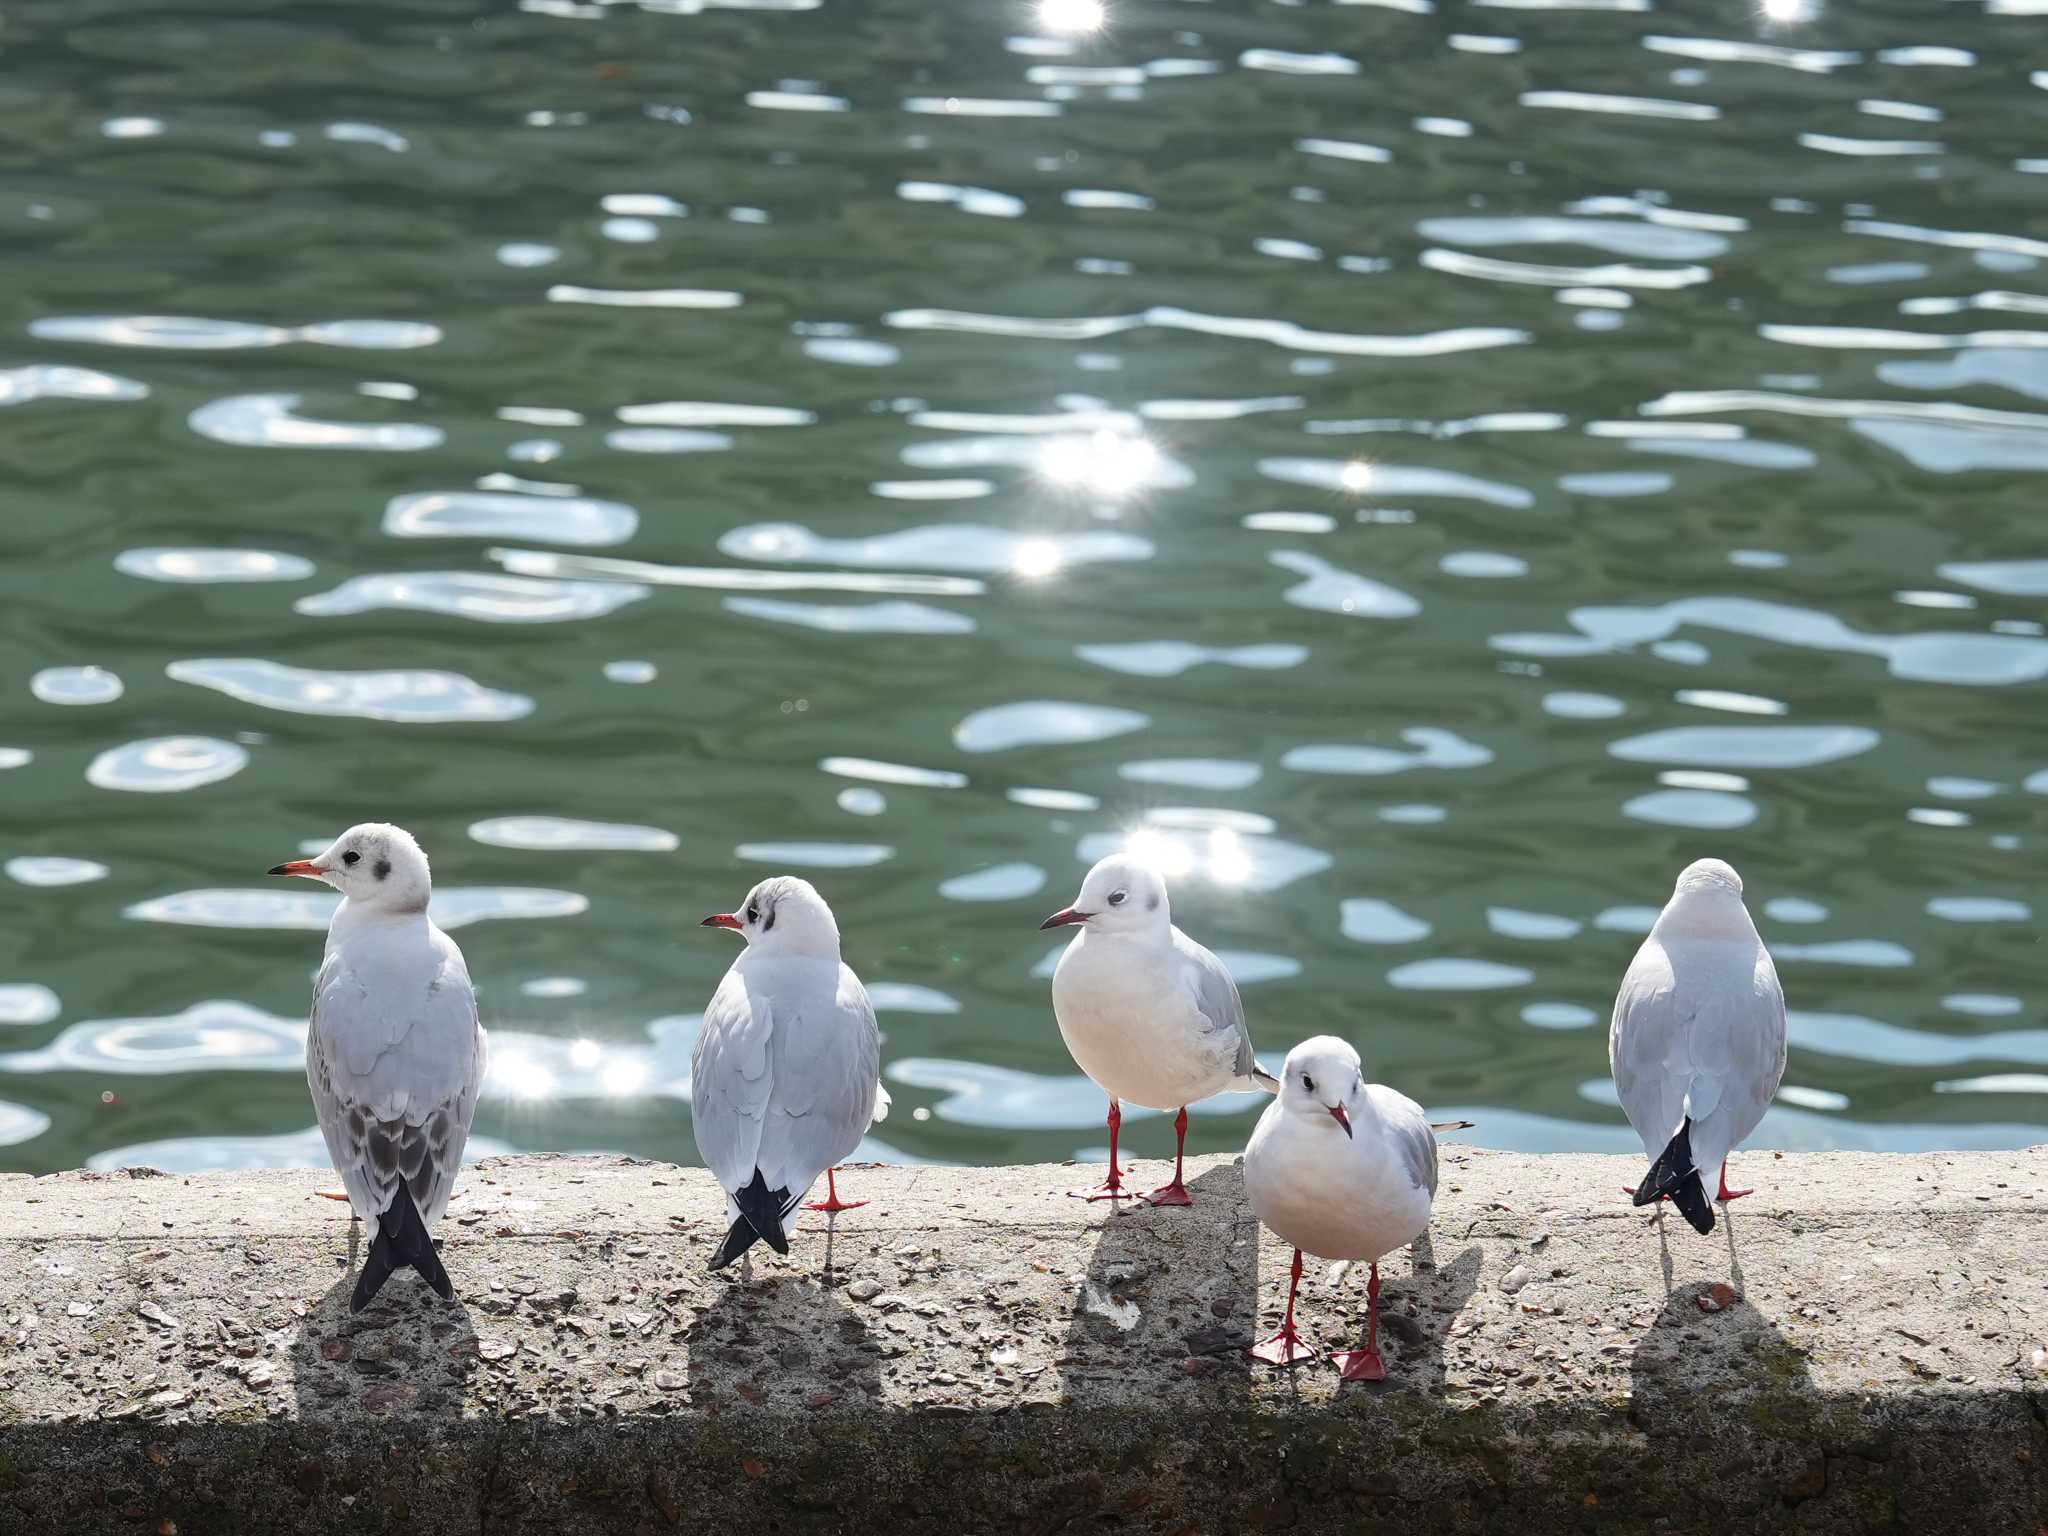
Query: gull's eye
x=753 y=914
x=1308 y=1082
x=351 y=858
x=1116 y=898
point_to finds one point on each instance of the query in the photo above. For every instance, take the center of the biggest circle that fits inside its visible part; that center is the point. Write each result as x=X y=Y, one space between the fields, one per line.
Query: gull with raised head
x=394 y=1050
x=787 y=1072
x=1698 y=1039
x=1343 y=1169
x=1148 y=1013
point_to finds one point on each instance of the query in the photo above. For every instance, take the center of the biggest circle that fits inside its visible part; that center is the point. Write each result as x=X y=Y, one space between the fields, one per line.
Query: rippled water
x=1430 y=471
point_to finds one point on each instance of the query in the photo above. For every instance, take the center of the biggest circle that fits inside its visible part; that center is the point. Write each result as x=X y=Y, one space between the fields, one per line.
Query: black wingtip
x=761 y=1213
x=401 y=1239
x=1674 y=1174
x=739 y=1237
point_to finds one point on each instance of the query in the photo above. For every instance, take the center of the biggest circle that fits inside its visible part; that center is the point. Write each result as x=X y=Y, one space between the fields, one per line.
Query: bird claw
x=1728 y=1194
x=1360 y=1365
x=1175 y=1193
x=333 y=1194
x=834 y=1206
x=1111 y=1188
x=1285 y=1348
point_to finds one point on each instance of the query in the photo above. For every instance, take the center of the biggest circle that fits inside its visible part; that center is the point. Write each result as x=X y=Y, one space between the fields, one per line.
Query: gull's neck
x=354 y=917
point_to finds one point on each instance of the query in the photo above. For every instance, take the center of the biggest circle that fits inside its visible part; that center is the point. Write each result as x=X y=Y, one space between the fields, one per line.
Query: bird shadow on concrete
x=1418 y=1309
x=1709 y=1350
x=789 y=1337
x=1161 y=1280
x=409 y=1352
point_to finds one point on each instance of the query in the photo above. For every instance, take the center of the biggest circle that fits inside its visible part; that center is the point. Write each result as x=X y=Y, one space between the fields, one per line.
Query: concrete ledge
x=986 y=1355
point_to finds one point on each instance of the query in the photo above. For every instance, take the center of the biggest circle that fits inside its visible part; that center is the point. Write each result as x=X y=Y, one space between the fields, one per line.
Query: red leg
x=1112 y=1188
x=1728 y=1194
x=1287 y=1347
x=1365 y=1364
x=1175 y=1193
x=832 y=1202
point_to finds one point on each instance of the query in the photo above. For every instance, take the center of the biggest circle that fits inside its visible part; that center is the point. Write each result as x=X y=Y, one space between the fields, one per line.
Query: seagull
x=1147 y=1012
x=1344 y=1169
x=787 y=1074
x=394 y=1051
x=1698 y=1040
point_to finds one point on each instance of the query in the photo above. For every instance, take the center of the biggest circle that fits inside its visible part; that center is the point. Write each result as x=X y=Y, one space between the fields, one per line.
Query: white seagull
x=1698 y=1040
x=1343 y=1169
x=1147 y=1012
x=787 y=1073
x=394 y=1052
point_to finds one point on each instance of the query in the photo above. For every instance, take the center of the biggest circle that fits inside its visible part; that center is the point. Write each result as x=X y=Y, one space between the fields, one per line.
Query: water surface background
x=1430 y=471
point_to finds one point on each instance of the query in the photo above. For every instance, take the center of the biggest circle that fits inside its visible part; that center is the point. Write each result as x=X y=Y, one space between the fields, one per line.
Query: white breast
x=1326 y=1195
x=1131 y=1024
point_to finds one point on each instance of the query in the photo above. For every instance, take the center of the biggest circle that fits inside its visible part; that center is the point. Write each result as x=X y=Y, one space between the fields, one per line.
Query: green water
x=1432 y=472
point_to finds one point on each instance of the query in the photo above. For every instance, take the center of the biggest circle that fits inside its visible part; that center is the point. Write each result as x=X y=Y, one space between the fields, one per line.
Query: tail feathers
x=1675 y=1174
x=401 y=1240
x=761 y=1212
x=1440 y=1126
x=1258 y=1080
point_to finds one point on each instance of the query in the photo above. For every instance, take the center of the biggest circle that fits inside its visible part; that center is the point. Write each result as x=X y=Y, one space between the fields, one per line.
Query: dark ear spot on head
x=1151 y=903
x=383 y=869
x=768 y=922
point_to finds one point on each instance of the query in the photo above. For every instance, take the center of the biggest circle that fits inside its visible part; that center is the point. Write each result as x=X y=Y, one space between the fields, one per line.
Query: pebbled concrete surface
x=985 y=1354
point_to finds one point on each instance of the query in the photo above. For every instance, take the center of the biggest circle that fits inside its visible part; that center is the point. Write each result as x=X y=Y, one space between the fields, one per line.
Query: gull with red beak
x=1343 y=1169
x=787 y=1073
x=394 y=1050
x=1147 y=1012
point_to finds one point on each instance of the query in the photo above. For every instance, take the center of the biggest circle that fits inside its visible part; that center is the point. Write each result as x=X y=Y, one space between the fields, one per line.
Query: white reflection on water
x=491 y=599
x=414 y=697
x=54 y=871
x=166 y=764
x=1043 y=722
x=215 y=1036
x=554 y=834
x=897 y=618
x=452 y=907
x=212 y=565
x=936 y=547
x=1170 y=658
x=27 y=1002
x=544 y=519
x=272 y=421
x=76 y=685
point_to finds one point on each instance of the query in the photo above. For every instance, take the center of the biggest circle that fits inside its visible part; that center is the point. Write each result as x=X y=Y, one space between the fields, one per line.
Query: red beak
x=1066 y=917
x=1337 y=1114
x=722 y=920
x=304 y=867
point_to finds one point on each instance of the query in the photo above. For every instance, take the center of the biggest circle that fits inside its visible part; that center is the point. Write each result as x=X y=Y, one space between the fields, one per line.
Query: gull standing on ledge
x=1698 y=1039
x=394 y=1052
x=1344 y=1169
x=1147 y=1012
x=787 y=1073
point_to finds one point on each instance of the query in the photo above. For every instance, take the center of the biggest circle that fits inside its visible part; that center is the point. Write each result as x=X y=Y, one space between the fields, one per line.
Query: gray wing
x=828 y=1080
x=1217 y=998
x=731 y=1080
x=1409 y=1130
x=1702 y=1031
x=395 y=1062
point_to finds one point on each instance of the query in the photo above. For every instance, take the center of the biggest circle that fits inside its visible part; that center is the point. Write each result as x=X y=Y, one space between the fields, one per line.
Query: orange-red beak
x=1064 y=918
x=722 y=920
x=1337 y=1114
x=304 y=867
